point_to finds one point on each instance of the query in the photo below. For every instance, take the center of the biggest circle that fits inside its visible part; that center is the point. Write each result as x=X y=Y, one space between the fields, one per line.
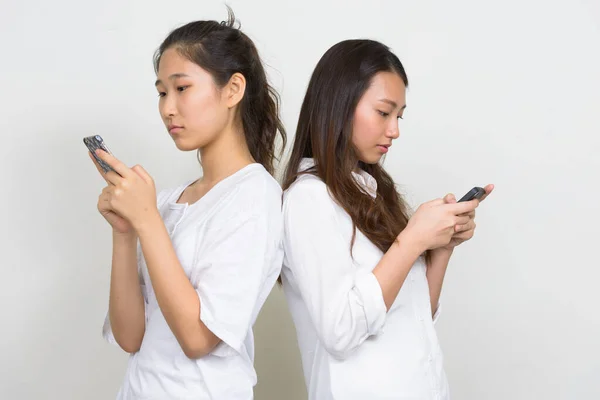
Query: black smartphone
x=94 y=143
x=475 y=193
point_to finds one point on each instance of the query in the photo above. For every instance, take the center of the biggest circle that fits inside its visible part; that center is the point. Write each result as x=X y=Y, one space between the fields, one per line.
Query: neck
x=225 y=156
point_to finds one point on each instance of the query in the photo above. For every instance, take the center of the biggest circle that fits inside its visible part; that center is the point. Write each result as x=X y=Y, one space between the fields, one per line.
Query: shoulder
x=256 y=180
x=256 y=185
x=307 y=196
x=251 y=200
x=307 y=187
x=256 y=190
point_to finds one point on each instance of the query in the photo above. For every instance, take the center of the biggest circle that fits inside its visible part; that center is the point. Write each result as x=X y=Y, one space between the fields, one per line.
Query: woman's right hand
x=434 y=222
x=119 y=224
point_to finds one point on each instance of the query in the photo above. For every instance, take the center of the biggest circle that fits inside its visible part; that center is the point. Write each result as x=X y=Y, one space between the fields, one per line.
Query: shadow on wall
x=277 y=358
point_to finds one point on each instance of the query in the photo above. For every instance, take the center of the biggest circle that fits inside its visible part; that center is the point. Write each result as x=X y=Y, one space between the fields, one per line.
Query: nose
x=393 y=131
x=167 y=106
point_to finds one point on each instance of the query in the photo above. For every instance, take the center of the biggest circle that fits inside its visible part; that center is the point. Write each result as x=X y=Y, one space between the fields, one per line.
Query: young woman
x=362 y=279
x=192 y=268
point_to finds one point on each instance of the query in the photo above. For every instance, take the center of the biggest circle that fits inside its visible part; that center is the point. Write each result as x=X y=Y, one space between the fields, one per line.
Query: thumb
x=449 y=198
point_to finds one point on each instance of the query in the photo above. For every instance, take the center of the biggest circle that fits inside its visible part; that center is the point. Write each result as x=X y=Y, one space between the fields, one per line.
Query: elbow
x=128 y=336
x=129 y=341
x=341 y=337
x=194 y=352
x=129 y=345
x=338 y=352
x=340 y=347
x=195 y=347
x=130 y=348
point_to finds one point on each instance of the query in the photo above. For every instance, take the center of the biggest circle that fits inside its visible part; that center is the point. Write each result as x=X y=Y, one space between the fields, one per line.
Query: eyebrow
x=392 y=103
x=173 y=76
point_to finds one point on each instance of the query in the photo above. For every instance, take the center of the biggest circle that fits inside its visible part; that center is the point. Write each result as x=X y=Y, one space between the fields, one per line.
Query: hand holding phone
x=475 y=193
x=119 y=224
x=94 y=143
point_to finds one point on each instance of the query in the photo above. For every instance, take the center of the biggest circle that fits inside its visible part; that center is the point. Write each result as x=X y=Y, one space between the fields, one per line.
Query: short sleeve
x=436 y=315
x=107 y=332
x=232 y=273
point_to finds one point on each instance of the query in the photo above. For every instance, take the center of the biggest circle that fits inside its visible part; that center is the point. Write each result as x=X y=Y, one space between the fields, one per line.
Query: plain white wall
x=502 y=92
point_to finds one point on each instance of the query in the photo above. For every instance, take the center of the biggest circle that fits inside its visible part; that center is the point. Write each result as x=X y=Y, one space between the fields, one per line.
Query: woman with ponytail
x=192 y=267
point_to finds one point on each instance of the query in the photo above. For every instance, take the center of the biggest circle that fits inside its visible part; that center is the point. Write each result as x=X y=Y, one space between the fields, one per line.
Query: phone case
x=475 y=193
x=94 y=143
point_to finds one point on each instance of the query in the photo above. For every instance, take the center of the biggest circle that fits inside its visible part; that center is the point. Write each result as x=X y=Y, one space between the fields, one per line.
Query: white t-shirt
x=229 y=244
x=351 y=347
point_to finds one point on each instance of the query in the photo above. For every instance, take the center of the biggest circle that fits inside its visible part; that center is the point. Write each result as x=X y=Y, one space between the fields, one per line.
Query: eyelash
x=385 y=115
x=179 y=89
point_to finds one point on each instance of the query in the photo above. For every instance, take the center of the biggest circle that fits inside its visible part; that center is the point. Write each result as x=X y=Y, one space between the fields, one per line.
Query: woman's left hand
x=131 y=192
x=466 y=231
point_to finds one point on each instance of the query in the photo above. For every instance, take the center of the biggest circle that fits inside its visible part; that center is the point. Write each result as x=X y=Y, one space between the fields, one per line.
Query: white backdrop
x=501 y=92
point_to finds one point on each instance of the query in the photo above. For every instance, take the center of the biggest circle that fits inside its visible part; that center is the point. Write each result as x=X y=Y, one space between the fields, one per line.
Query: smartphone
x=94 y=143
x=475 y=193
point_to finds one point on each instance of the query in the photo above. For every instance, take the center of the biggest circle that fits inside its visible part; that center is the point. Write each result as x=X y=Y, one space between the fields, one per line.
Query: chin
x=181 y=148
x=375 y=159
x=189 y=142
x=184 y=145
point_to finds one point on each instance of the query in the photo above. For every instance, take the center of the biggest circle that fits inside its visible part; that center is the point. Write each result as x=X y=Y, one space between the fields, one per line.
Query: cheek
x=201 y=109
x=365 y=129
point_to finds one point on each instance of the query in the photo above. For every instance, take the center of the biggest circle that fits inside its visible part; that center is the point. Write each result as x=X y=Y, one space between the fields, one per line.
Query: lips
x=174 y=128
x=384 y=147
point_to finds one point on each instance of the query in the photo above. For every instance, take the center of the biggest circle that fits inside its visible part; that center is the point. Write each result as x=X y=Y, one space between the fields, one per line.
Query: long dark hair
x=324 y=133
x=223 y=50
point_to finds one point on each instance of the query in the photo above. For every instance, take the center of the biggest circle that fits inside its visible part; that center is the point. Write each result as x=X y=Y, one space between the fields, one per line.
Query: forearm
x=436 y=271
x=126 y=303
x=176 y=297
x=394 y=266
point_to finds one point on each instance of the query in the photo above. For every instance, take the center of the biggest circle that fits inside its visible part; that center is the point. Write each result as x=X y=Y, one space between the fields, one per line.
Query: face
x=191 y=105
x=376 y=117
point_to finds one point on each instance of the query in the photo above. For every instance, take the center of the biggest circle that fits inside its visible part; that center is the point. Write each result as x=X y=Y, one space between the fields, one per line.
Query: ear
x=235 y=89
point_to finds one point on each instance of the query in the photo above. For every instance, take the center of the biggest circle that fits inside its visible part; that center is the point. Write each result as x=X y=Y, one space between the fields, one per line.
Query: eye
x=383 y=113
x=400 y=117
x=181 y=88
x=161 y=94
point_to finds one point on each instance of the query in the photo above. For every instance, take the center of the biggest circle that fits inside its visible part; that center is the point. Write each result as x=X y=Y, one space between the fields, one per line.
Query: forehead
x=172 y=62
x=387 y=85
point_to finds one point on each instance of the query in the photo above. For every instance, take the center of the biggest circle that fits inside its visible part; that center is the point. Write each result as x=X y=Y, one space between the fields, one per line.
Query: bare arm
x=394 y=266
x=131 y=196
x=126 y=303
x=348 y=305
x=436 y=270
x=177 y=298
x=440 y=257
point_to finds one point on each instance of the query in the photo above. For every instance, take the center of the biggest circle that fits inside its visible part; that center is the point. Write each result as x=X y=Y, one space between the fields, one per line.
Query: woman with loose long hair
x=362 y=277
